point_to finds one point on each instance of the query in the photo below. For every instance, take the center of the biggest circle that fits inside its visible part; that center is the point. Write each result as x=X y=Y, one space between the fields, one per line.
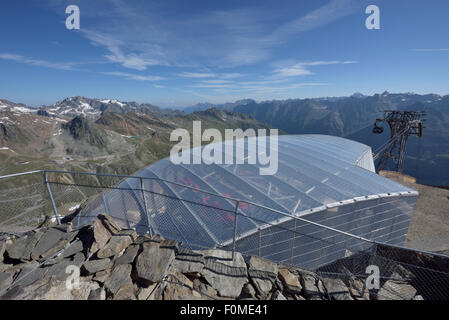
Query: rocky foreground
x=117 y=264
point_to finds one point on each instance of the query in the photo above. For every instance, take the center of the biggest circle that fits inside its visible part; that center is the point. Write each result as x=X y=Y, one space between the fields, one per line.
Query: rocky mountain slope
x=116 y=263
x=84 y=134
x=95 y=108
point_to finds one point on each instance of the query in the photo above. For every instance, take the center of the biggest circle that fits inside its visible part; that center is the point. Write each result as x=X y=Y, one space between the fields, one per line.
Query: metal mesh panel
x=335 y=241
x=24 y=207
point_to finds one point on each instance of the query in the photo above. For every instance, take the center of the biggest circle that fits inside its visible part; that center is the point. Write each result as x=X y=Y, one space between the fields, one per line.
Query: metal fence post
x=235 y=228
x=55 y=210
x=293 y=243
x=144 y=198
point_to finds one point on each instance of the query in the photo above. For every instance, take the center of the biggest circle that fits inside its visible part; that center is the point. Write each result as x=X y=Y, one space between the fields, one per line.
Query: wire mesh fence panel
x=24 y=203
x=334 y=241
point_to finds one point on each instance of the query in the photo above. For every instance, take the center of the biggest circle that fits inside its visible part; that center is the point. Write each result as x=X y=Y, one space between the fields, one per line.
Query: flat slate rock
x=115 y=245
x=21 y=248
x=128 y=232
x=52 y=241
x=290 y=281
x=101 y=276
x=126 y=292
x=149 y=269
x=277 y=295
x=94 y=266
x=337 y=289
x=5 y=280
x=34 y=291
x=128 y=256
x=188 y=261
x=263 y=273
x=74 y=248
x=49 y=240
x=309 y=283
x=97 y=294
x=59 y=270
x=120 y=276
x=395 y=290
x=28 y=276
x=224 y=274
x=78 y=259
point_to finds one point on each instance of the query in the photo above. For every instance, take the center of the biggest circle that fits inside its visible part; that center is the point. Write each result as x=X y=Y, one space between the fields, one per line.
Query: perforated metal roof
x=315 y=172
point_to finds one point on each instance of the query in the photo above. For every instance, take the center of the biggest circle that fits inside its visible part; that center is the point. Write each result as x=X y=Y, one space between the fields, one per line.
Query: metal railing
x=275 y=234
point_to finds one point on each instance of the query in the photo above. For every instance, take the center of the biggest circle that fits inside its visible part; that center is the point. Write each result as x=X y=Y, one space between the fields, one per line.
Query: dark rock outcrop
x=117 y=264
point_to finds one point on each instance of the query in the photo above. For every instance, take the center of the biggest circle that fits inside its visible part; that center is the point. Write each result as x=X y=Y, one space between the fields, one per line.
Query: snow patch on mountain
x=112 y=101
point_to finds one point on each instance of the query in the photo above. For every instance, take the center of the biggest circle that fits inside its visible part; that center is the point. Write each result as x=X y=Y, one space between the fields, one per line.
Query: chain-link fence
x=200 y=219
x=24 y=202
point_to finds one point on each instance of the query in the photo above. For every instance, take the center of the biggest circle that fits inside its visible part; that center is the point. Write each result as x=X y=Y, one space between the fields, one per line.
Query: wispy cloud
x=324 y=15
x=217 y=81
x=257 y=90
x=39 y=63
x=142 y=34
x=206 y=85
x=232 y=75
x=130 y=76
x=431 y=50
x=196 y=75
x=303 y=68
x=134 y=61
x=221 y=77
x=252 y=87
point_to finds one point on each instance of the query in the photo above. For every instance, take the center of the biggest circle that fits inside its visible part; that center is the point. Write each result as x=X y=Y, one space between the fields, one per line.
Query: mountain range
x=115 y=131
x=353 y=117
x=83 y=134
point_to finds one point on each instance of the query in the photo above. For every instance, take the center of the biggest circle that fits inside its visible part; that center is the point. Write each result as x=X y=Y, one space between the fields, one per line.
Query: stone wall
x=117 y=264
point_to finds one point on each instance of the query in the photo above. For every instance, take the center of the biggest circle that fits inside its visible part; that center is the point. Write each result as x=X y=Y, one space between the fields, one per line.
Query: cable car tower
x=402 y=125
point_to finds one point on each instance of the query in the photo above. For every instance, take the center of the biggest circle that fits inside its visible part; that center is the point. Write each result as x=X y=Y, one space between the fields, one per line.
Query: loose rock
x=290 y=281
x=263 y=273
x=149 y=269
x=115 y=245
x=94 y=266
x=128 y=257
x=394 y=290
x=120 y=277
x=225 y=275
x=336 y=289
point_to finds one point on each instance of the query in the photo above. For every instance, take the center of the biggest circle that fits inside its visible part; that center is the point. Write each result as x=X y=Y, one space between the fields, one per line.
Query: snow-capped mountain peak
x=6 y=105
x=94 y=108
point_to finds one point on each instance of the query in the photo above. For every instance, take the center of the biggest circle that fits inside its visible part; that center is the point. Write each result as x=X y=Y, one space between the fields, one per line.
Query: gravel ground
x=429 y=227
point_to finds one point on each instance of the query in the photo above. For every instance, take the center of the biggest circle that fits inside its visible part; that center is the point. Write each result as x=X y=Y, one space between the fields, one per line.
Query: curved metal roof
x=315 y=172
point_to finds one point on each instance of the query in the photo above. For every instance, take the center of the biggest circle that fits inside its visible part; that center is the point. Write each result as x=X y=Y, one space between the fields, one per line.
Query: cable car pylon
x=402 y=125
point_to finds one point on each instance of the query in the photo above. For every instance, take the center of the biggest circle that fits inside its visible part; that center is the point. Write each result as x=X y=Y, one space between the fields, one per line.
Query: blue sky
x=177 y=53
